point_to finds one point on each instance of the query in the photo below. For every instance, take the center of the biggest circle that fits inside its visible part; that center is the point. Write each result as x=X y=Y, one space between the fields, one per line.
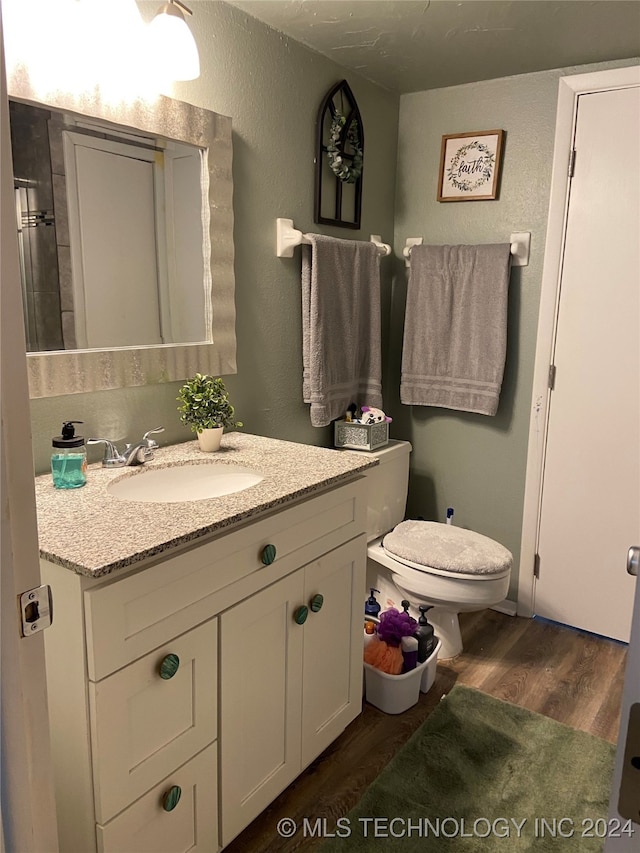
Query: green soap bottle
x=69 y=458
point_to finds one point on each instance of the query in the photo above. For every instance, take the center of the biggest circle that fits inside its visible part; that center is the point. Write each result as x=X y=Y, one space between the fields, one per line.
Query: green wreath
x=466 y=184
x=347 y=172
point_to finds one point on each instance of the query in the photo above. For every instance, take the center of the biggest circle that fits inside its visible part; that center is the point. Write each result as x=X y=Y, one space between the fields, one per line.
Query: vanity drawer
x=192 y=825
x=128 y=617
x=152 y=716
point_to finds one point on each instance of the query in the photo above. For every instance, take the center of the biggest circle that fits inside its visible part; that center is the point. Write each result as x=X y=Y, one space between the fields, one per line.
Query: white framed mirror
x=142 y=297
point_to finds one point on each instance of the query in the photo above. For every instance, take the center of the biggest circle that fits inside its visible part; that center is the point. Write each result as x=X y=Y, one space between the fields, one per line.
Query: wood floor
x=568 y=675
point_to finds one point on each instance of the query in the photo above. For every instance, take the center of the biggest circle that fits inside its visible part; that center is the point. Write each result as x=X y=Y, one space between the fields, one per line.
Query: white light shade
x=173 y=44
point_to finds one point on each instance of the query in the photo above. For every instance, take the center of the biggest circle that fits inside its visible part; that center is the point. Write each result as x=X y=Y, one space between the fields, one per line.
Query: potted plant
x=206 y=409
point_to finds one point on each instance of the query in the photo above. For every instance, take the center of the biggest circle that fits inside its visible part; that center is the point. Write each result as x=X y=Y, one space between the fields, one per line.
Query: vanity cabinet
x=186 y=681
x=291 y=667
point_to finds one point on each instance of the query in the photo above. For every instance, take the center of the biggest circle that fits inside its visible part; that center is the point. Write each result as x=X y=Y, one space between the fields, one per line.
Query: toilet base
x=446 y=626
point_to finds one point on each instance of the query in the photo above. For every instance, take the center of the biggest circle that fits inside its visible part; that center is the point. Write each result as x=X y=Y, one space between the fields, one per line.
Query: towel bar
x=287 y=237
x=520 y=244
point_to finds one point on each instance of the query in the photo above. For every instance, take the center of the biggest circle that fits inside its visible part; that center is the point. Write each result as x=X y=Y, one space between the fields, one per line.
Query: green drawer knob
x=169 y=666
x=316 y=602
x=171 y=798
x=268 y=554
x=301 y=615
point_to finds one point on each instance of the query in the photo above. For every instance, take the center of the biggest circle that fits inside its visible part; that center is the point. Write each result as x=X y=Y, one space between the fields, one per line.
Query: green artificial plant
x=205 y=404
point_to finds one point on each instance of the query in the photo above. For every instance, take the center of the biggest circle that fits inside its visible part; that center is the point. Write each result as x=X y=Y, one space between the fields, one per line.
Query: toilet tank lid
x=393 y=448
x=447 y=548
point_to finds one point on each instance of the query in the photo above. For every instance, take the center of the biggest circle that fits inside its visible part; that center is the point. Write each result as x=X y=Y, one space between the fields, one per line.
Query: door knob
x=169 y=666
x=633 y=559
x=301 y=614
x=268 y=554
x=316 y=602
x=171 y=798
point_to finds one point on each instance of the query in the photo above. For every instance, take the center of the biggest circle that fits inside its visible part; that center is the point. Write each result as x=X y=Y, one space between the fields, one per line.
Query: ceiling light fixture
x=174 y=42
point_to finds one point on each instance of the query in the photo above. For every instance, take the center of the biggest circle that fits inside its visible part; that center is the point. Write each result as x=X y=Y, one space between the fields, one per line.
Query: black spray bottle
x=424 y=635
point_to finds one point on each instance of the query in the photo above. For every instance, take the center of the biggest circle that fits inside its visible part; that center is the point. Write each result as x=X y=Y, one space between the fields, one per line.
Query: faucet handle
x=151 y=444
x=112 y=459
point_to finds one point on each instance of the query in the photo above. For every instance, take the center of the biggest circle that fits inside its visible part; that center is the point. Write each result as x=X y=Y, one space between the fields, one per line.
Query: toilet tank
x=387 y=485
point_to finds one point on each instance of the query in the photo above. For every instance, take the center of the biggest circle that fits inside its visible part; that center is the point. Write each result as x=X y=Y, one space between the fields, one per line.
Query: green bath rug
x=482 y=775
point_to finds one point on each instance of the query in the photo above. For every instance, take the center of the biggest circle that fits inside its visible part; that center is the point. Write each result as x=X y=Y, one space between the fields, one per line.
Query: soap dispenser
x=424 y=635
x=371 y=607
x=69 y=458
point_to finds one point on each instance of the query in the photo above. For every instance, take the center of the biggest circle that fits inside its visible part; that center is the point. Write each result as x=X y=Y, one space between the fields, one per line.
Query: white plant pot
x=209 y=439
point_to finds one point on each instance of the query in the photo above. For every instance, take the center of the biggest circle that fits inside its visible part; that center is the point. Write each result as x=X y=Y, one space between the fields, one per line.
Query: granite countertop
x=93 y=533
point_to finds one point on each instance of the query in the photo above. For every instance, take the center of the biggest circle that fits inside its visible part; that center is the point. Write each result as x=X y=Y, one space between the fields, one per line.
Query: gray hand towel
x=455 y=332
x=341 y=349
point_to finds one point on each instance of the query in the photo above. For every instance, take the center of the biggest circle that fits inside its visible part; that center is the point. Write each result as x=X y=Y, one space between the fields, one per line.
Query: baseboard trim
x=506 y=606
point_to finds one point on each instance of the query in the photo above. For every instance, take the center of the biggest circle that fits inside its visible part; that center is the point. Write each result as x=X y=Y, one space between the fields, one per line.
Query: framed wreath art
x=470 y=166
x=339 y=159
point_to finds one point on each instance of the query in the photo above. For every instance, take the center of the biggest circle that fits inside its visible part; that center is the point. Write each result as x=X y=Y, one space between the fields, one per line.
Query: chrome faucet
x=133 y=454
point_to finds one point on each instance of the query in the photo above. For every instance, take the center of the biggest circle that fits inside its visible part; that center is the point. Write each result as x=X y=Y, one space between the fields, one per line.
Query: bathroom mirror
x=118 y=292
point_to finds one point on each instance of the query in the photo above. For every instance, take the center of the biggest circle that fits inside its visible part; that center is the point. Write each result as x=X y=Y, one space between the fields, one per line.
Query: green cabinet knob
x=169 y=666
x=171 y=798
x=268 y=554
x=301 y=615
x=316 y=602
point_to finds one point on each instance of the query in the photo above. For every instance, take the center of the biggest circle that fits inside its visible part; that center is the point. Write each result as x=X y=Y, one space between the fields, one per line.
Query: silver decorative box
x=360 y=436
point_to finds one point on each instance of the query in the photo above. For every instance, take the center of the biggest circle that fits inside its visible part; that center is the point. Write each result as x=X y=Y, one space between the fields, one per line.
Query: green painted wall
x=272 y=87
x=472 y=462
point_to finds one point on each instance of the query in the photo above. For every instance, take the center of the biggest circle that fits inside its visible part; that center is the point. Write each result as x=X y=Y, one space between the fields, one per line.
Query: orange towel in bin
x=384 y=657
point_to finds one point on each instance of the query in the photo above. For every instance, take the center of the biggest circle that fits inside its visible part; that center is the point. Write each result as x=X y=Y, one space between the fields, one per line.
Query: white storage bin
x=394 y=694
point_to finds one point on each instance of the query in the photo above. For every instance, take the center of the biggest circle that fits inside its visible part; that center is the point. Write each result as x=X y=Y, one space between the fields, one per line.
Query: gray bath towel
x=455 y=331
x=341 y=348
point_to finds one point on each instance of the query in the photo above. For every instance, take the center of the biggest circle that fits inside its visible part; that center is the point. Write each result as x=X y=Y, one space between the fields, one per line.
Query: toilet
x=447 y=567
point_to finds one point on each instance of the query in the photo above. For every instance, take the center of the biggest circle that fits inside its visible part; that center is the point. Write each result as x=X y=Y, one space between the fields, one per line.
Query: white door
x=590 y=507
x=113 y=217
x=28 y=821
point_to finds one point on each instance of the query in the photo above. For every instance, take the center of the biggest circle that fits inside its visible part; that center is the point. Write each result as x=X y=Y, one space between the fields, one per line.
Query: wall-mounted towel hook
x=520 y=246
x=288 y=237
x=410 y=242
x=384 y=248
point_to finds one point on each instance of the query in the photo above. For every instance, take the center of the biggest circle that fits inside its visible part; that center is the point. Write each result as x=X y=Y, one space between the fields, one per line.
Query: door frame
x=28 y=820
x=569 y=90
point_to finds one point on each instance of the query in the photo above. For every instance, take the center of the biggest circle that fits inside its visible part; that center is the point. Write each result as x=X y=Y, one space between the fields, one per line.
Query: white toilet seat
x=443 y=549
x=431 y=570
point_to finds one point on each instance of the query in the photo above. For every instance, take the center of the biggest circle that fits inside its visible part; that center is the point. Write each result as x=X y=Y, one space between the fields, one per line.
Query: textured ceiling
x=413 y=45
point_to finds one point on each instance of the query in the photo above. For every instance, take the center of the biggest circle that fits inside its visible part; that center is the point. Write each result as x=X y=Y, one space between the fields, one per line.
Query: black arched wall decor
x=339 y=159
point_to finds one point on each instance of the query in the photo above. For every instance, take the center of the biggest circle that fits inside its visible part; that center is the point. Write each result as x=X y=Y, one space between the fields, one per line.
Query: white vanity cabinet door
x=287 y=690
x=260 y=700
x=143 y=726
x=145 y=827
x=332 y=660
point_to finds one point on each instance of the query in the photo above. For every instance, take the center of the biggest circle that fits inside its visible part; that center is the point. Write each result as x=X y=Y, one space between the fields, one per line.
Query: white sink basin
x=184 y=483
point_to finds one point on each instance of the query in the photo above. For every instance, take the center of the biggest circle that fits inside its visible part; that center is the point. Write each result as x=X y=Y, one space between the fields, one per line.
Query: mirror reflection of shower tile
x=44 y=259
x=60 y=209
x=30 y=323
x=64 y=273
x=69 y=330
x=48 y=321
x=56 y=147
